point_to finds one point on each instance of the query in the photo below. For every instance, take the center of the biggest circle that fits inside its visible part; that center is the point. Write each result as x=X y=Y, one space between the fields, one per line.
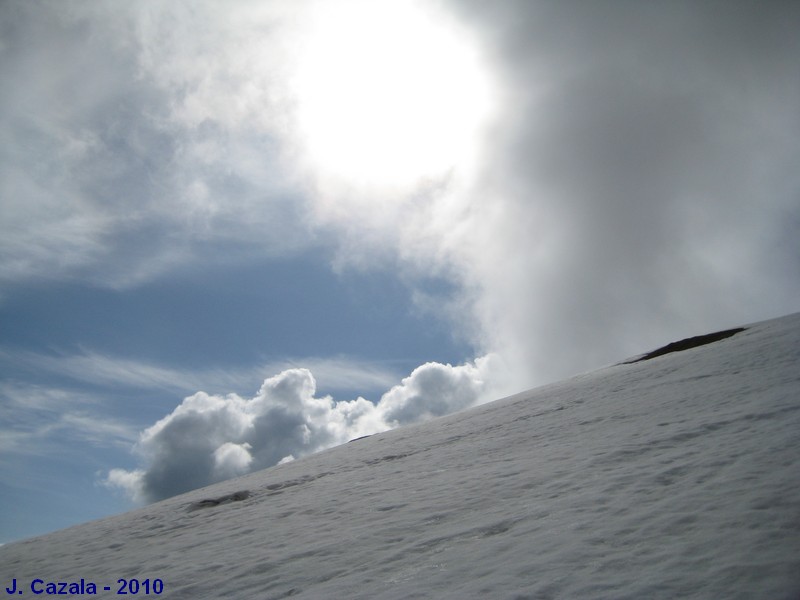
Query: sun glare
x=388 y=93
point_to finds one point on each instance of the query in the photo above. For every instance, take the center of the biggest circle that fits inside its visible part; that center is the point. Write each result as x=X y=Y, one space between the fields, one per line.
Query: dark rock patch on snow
x=692 y=342
x=209 y=502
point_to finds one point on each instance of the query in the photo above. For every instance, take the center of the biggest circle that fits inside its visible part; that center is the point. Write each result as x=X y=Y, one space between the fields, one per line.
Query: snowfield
x=675 y=477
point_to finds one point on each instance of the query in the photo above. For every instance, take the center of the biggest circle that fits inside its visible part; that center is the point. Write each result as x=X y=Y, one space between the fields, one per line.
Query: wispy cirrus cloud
x=39 y=420
x=98 y=369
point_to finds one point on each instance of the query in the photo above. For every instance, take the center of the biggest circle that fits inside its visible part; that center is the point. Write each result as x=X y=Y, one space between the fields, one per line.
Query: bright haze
x=237 y=233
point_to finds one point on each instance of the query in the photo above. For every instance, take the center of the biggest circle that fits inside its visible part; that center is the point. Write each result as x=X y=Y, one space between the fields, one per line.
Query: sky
x=235 y=233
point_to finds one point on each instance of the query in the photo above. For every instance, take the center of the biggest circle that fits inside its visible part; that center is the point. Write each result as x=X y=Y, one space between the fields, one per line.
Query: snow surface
x=676 y=477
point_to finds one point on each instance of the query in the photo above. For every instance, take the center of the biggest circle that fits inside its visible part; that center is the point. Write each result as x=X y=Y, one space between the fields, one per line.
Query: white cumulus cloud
x=209 y=438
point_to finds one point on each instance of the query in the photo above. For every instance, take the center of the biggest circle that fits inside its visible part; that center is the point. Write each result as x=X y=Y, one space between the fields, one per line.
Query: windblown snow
x=674 y=477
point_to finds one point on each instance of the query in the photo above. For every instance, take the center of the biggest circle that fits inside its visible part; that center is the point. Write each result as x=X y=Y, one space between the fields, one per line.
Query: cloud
x=209 y=438
x=126 y=480
x=97 y=369
x=637 y=183
x=433 y=390
x=340 y=372
x=232 y=459
x=644 y=183
x=185 y=146
x=164 y=156
x=44 y=419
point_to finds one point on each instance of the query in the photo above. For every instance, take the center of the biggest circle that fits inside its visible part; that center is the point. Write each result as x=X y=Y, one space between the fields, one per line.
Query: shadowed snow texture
x=674 y=478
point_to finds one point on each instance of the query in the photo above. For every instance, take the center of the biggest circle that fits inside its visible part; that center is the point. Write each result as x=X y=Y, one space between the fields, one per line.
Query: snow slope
x=676 y=477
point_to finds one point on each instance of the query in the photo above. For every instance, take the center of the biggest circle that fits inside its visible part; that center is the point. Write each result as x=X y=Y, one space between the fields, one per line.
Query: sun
x=388 y=93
